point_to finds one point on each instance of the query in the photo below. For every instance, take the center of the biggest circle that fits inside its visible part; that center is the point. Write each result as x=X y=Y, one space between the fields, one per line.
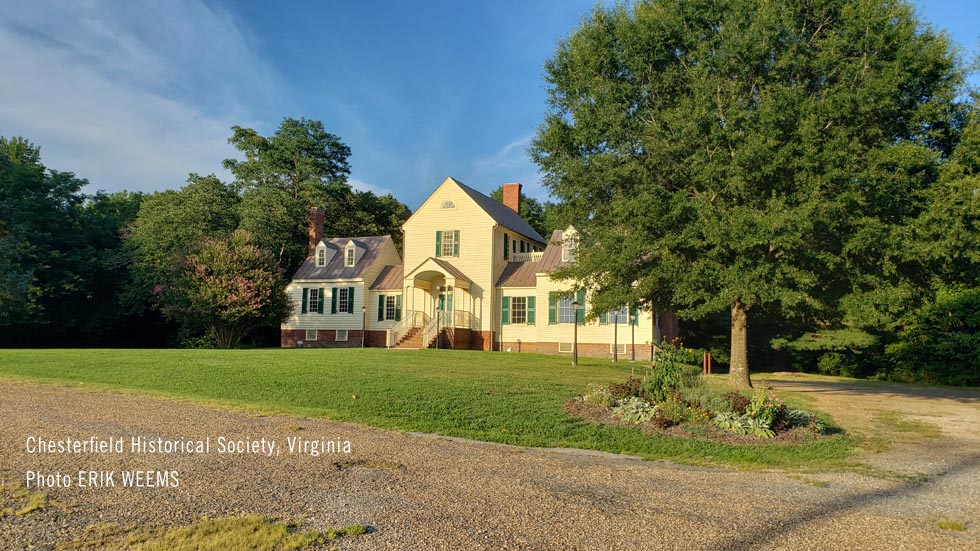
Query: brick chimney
x=512 y=197
x=317 y=216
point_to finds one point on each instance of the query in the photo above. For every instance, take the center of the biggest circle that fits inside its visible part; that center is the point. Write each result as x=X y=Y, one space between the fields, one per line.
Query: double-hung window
x=518 y=310
x=620 y=316
x=566 y=311
x=321 y=257
x=313 y=300
x=447 y=243
x=343 y=299
x=390 y=307
x=350 y=256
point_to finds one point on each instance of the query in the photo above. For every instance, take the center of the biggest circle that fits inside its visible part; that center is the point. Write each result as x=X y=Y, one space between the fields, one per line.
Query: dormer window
x=321 y=257
x=568 y=249
x=349 y=256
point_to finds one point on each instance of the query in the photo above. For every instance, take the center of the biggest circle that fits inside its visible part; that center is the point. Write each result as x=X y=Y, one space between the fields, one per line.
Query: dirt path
x=423 y=492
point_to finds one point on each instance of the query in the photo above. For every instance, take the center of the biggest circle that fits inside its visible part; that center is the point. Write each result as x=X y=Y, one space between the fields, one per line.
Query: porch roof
x=451 y=273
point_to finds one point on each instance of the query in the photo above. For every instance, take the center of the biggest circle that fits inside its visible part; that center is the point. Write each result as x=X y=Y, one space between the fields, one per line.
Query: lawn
x=510 y=398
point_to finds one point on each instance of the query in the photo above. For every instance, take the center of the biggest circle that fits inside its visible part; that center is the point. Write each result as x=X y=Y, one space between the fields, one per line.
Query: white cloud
x=129 y=96
x=361 y=185
x=510 y=163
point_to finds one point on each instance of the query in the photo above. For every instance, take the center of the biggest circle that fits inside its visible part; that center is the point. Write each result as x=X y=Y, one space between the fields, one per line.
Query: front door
x=446 y=302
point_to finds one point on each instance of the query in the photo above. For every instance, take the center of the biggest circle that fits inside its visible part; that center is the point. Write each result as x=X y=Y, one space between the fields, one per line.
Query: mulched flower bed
x=707 y=432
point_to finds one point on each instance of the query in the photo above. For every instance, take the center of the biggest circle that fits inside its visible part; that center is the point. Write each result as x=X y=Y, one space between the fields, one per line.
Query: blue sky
x=134 y=95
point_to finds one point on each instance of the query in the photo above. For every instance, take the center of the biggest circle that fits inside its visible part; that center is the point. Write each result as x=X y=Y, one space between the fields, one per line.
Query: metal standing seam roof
x=551 y=259
x=335 y=268
x=501 y=213
x=519 y=274
x=389 y=279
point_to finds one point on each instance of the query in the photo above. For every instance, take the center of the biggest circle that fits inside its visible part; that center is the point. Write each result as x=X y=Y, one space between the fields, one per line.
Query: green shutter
x=438 y=243
x=506 y=246
x=333 y=300
x=381 y=307
x=530 y=310
x=580 y=297
x=636 y=316
x=305 y=297
x=350 y=300
x=456 y=243
x=398 y=307
x=552 y=309
x=603 y=318
x=505 y=310
x=319 y=302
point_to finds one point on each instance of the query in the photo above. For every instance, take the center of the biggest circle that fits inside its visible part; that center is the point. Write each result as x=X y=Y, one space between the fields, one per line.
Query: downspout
x=493 y=287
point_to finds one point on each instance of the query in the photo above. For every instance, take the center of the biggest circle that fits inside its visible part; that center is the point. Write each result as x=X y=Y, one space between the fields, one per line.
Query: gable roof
x=551 y=259
x=500 y=213
x=335 y=268
x=389 y=279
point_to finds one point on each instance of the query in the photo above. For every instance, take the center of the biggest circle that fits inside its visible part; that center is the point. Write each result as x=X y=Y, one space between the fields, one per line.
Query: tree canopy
x=732 y=155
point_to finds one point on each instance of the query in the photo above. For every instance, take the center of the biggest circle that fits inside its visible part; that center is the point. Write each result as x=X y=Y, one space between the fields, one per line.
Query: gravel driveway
x=424 y=492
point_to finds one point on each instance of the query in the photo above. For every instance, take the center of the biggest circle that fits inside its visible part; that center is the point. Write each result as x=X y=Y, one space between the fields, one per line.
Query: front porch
x=439 y=309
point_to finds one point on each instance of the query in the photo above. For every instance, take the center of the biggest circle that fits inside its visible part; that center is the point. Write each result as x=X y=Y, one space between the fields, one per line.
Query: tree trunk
x=738 y=373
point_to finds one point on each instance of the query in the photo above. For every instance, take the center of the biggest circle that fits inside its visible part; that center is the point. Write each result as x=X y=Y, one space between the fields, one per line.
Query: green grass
x=510 y=398
x=901 y=423
x=242 y=532
x=953 y=525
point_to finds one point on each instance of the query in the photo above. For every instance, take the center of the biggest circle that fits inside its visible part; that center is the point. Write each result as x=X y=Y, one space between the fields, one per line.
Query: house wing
x=336 y=268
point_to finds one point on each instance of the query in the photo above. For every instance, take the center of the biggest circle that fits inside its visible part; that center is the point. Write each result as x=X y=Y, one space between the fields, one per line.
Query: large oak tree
x=732 y=154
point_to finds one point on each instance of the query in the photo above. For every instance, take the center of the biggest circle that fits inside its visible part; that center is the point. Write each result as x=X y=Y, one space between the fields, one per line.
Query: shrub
x=836 y=363
x=674 y=409
x=634 y=410
x=766 y=407
x=598 y=396
x=707 y=398
x=670 y=372
x=737 y=402
x=632 y=387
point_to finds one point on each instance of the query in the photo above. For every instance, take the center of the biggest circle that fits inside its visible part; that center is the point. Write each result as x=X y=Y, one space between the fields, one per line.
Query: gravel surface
x=426 y=492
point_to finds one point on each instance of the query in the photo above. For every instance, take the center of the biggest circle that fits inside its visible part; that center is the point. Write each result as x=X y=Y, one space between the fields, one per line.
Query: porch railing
x=526 y=257
x=411 y=320
x=436 y=324
x=465 y=320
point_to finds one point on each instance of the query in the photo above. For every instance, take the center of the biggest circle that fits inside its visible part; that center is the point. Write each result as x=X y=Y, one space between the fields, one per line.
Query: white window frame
x=518 y=305
x=349 y=256
x=566 y=311
x=321 y=257
x=564 y=348
x=622 y=317
x=448 y=242
x=342 y=300
x=390 y=307
x=313 y=300
x=568 y=249
x=621 y=346
x=341 y=332
x=313 y=332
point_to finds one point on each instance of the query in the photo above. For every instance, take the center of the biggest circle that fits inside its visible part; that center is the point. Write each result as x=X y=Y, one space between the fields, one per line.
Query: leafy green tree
x=170 y=226
x=230 y=286
x=737 y=155
x=302 y=166
x=46 y=261
x=283 y=175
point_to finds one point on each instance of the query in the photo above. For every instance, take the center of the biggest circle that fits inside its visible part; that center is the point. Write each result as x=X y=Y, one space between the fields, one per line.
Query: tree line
x=203 y=265
x=797 y=180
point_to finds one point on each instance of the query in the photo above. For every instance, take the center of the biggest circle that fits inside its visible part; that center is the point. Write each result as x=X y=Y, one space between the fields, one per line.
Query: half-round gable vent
x=449 y=205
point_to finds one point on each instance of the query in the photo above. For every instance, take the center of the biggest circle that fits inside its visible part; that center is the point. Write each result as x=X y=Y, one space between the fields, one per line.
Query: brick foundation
x=326 y=339
x=592 y=350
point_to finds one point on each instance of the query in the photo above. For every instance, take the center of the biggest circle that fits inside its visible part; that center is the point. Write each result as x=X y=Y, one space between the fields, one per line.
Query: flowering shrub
x=670 y=371
x=599 y=396
x=766 y=407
